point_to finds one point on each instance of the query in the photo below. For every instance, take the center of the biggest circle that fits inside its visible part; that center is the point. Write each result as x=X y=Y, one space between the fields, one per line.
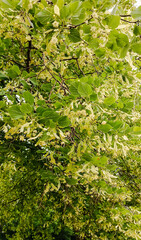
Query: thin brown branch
x=28 y=56
x=75 y=26
x=129 y=21
x=128 y=15
x=68 y=59
x=61 y=84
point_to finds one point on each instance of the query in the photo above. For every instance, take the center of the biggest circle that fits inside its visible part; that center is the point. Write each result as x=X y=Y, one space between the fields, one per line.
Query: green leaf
x=100 y=52
x=100 y=161
x=105 y=128
x=137 y=30
x=74 y=89
x=26 y=108
x=94 y=43
x=136 y=13
x=109 y=101
x=50 y=114
x=28 y=97
x=15 y=112
x=64 y=122
x=113 y=21
x=93 y=97
x=74 y=35
x=24 y=83
x=136 y=47
x=25 y=3
x=2 y=104
x=74 y=6
x=65 y=12
x=44 y=16
x=123 y=51
x=3 y=76
x=116 y=124
x=46 y=87
x=7 y=4
x=60 y=3
x=34 y=81
x=84 y=89
x=71 y=181
x=14 y=71
x=137 y=130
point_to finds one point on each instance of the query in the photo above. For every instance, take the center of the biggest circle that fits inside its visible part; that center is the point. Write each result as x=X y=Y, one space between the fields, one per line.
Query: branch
x=63 y=87
x=68 y=59
x=125 y=16
x=129 y=21
x=75 y=26
x=12 y=60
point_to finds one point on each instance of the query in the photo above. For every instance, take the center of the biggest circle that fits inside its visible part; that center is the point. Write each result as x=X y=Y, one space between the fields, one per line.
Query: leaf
x=7 y=4
x=74 y=35
x=15 y=112
x=2 y=104
x=84 y=89
x=60 y=3
x=28 y=97
x=113 y=21
x=26 y=108
x=44 y=16
x=50 y=114
x=94 y=43
x=136 y=13
x=93 y=97
x=74 y=89
x=100 y=161
x=24 y=83
x=71 y=181
x=34 y=81
x=3 y=76
x=74 y=7
x=100 y=52
x=122 y=40
x=25 y=4
x=116 y=124
x=56 y=10
x=105 y=128
x=136 y=47
x=14 y=71
x=137 y=30
x=109 y=100
x=64 y=122
x=137 y=130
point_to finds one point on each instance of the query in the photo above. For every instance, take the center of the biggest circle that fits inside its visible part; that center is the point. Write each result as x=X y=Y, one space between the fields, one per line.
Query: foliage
x=70 y=129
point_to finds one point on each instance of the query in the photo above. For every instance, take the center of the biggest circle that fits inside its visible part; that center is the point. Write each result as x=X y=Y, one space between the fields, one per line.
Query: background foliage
x=70 y=119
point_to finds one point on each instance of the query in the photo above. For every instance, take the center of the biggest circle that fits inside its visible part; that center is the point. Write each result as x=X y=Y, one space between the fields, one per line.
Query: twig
x=128 y=15
x=129 y=21
x=75 y=26
x=63 y=87
x=28 y=56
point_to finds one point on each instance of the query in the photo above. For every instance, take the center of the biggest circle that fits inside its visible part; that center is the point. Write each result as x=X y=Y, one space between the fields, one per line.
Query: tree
x=70 y=119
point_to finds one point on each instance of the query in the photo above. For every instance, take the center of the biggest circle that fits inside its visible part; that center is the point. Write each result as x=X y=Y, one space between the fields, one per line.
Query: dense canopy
x=70 y=121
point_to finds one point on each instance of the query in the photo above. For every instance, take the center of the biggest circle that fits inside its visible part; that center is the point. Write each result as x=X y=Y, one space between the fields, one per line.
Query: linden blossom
x=70 y=129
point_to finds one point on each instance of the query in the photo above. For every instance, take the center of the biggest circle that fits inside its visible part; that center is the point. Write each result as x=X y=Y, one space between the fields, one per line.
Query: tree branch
x=129 y=21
